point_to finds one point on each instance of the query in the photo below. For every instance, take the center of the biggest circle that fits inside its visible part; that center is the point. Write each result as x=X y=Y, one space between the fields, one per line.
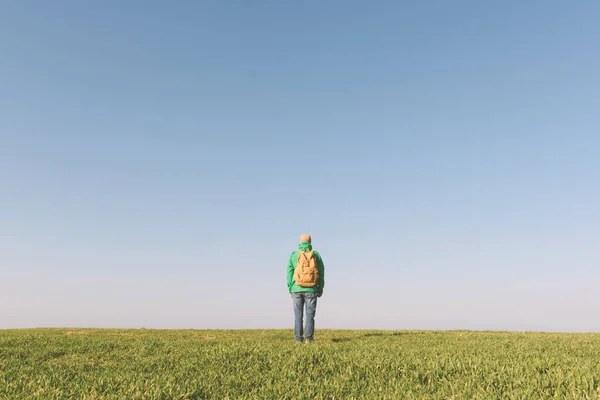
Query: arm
x=321 y=268
x=290 y=273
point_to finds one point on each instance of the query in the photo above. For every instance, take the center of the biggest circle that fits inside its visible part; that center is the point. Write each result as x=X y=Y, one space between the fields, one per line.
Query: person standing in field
x=306 y=280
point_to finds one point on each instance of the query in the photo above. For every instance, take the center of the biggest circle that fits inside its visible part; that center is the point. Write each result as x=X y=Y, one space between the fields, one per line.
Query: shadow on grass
x=378 y=334
x=370 y=335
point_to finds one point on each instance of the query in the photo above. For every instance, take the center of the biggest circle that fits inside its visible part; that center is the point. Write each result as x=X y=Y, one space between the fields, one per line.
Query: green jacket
x=292 y=287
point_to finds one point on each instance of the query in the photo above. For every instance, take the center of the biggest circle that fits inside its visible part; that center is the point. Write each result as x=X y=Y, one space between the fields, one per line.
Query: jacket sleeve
x=290 y=273
x=321 y=268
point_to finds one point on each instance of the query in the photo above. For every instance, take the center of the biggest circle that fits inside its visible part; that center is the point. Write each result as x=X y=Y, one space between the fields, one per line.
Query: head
x=305 y=238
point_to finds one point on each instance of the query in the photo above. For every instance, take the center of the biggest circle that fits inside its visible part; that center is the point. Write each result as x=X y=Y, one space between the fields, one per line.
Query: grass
x=148 y=364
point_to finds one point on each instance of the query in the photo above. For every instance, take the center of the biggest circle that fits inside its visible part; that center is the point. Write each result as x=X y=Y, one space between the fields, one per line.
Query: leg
x=311 y=310
x=298 y=299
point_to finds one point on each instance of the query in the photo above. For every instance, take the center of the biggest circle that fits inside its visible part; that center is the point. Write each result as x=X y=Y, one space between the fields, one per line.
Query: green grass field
x=149 y=364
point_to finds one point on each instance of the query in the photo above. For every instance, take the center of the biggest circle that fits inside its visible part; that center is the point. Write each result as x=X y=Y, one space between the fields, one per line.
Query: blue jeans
x=300 y=299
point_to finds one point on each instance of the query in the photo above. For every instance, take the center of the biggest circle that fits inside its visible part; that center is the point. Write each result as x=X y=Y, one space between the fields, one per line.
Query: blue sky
x=159 y=162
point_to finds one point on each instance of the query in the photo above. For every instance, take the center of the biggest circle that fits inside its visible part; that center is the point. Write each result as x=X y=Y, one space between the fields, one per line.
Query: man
x=306 y=280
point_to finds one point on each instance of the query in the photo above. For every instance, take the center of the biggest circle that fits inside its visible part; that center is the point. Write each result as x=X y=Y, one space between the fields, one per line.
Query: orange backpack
x=306 y=273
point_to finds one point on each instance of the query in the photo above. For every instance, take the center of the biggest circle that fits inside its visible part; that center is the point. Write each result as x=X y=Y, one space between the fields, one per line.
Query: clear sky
x=160 y=159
